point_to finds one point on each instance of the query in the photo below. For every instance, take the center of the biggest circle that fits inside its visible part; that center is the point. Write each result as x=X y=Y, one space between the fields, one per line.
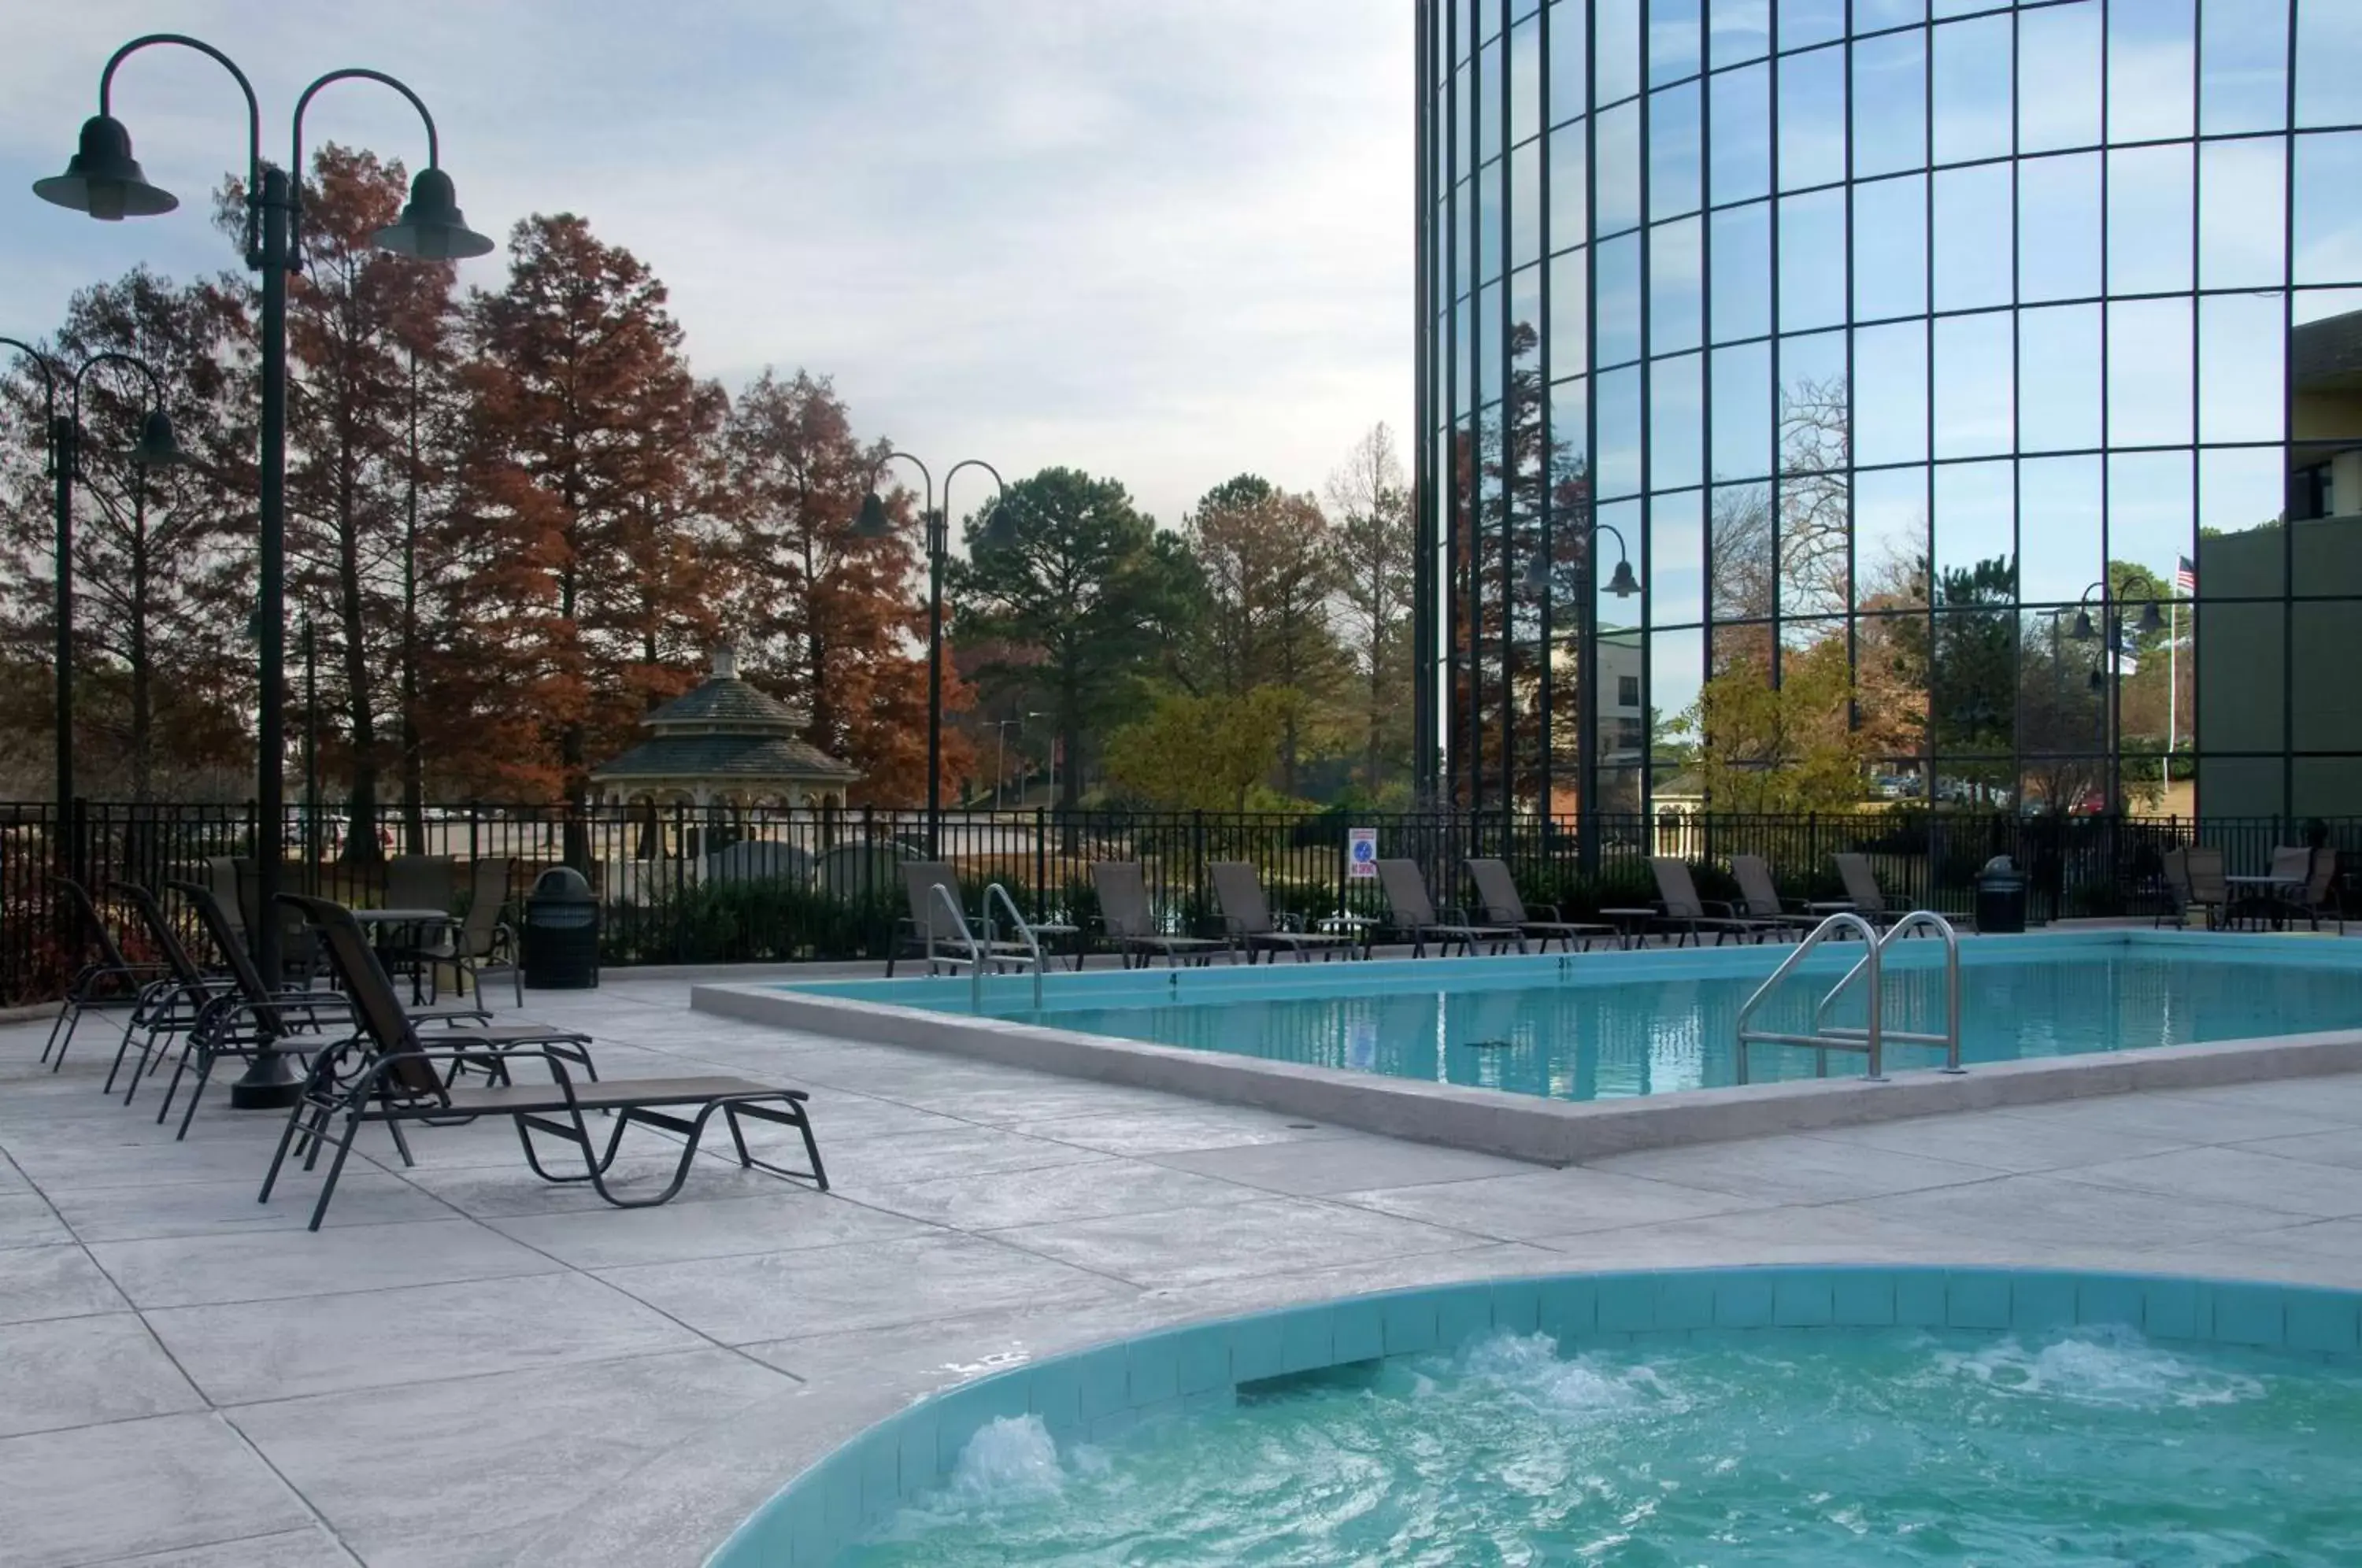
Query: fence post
x=1040 y=864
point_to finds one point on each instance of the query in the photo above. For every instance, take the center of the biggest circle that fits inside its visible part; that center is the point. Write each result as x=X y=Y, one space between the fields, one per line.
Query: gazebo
x=722 y=749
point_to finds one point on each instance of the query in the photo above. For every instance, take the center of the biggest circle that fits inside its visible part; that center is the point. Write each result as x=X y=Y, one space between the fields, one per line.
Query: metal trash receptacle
x=2001 y=897
x=558 y=945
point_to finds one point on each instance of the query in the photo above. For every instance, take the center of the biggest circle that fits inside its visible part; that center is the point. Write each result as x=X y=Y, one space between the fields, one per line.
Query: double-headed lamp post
x=874 y=523
x=104 y=179
x=2105 y=672
x=62 y=432
x=1623 y=583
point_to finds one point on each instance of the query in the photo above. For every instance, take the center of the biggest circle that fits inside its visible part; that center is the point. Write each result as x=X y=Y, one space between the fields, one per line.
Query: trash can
x=2001 y=895
x=560 y=944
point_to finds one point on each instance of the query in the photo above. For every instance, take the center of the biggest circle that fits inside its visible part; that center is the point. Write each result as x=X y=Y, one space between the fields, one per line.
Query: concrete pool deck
x=467 y=1366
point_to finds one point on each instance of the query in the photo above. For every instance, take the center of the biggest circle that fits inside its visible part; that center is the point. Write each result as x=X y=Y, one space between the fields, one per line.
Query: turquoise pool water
x=1609 y=1025
x=2075 y=1446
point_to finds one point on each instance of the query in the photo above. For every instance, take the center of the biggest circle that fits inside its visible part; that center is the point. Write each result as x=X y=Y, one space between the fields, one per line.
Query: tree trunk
x=361 y=845
x=143 y=689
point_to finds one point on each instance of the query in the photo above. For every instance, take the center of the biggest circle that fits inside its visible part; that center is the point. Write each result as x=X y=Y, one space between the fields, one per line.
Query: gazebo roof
x=727 y=732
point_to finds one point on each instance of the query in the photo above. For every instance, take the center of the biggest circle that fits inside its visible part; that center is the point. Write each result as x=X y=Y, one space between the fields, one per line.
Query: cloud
x=1162 y=242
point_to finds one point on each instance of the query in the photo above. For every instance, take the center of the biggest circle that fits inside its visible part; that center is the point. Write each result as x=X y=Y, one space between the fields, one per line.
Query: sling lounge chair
x=1497 y=897
x=2183 y=870
x=483 y=937
x=387 y=1072
x=108 y=983
x=170 y=1007
x=1862 y=892
x=1415 y=916
x=1759 y=900
x=1246 y=917
x=1130 y=921
x=929 y=930
x=1691 y=916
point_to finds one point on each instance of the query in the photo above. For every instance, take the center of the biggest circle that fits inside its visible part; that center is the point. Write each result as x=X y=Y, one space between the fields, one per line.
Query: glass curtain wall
x=1996 y=368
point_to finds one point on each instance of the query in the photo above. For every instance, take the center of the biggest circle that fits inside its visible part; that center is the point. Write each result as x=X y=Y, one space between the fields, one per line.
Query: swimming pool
x=1779 y=1416
x=1610 y=1026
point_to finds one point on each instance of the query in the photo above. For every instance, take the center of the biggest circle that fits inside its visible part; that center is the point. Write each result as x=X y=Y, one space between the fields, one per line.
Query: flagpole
x=2172 y=683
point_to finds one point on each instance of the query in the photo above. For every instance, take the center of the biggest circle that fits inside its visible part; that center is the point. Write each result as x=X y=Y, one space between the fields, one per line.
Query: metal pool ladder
x=1033 y=946
x=1874 y=1039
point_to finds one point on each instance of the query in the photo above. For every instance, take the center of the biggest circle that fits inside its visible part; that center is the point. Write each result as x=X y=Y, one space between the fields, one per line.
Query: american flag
x=2185 y=575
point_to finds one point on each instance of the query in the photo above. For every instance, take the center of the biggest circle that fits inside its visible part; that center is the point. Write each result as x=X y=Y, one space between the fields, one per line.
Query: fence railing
x=684 y=885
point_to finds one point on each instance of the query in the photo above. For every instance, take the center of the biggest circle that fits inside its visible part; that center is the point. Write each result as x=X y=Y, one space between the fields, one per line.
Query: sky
x=1166 y=241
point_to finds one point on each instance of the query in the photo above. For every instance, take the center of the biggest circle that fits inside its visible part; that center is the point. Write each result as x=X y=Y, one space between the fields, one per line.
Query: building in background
x=1938 y=339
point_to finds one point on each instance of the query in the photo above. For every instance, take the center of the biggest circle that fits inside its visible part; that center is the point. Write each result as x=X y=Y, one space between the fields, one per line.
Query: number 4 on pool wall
x=1361 y=852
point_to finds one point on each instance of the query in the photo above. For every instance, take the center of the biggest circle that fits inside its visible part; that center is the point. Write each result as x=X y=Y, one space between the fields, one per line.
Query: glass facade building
x=1997 y=368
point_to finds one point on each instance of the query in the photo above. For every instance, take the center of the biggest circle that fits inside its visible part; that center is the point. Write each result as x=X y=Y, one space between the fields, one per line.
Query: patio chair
x=1247 y=918
x=222 y=871
x=2208 y=890
x=1691 y=916
x=1414 y=915
x=423 y=882
x=106 y=984
x=1130 y=922
x=2317 y=897
x=386 y=1072
x=299 y=953
x=2178 y=867
x=1759 y=900
x=1501 y=904
x=1861 y=889
x=481 y=937
x=927 y=932
x=169 y=1007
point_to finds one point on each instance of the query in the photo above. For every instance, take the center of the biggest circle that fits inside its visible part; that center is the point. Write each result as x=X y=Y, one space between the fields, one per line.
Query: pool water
x=1909 y=1446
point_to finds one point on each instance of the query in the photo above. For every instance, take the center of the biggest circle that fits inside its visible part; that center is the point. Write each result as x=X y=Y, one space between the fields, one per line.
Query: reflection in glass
x=1676 y=670
x=1739 y=160
x=1488 y=345
x=1570 y=77
x=1676 y=281
x=1570 y=157
x=1890 y=247
x=1804 y=22
x=1737 y=31
x=1525 y=203
x=1488 y=222
x=1971 y=84
x=1972 y=236
x=2148 y=220
x=2059 y=378
x=1617 y=328
x=1526 y=306
x=1890 y=539
x=1743 y=411
x=2148 y=519
x=1741 y=261
x=2243 y=66
x=1615 y=168
x=2059 y=77
x=2151 y=58
x=2239 y=208
x=1464 y=122
x=1569 y=306
x=1618 y=420
x=1975 y=401
x=2058 y=228
x=1812 y=260
x=1741 y=558
x=1812 y=118
x=1462 y=218
x=1676 y=565
x=1872 y=15
x=1525 y=79
x=1890 y=367
x=1816 y=519
x=2240 y=347
x=1676 y=422
x=2148 y=372
x=1889 y=105
x=2328 y=42
x=1488 y=102
x=2241 y=490
x=2328 y=218
x=1815 y=427
x=1617 y=37
x=2059 y=514
x=1570 y=434
x=1672 y=41
x=1673 y=162
x=1976 y=534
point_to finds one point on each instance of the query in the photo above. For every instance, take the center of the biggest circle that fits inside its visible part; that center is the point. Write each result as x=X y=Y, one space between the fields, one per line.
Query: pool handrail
x=1872 y=1038
x=1950 y=1038
x=1032 y=946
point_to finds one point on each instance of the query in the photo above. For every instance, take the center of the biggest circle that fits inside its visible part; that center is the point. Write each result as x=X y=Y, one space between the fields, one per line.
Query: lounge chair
x=423 y=882
x=1415 y=916
x=169 y=1007
x=928 y=932
x=386 y=1072
x=1247 y=918
x=1680 y=907
x=299 y=954
x=481 y=937
x=1759 y=900
x=1497 y=898
x=1862 y=892
x=108 y=983
x=1130 y=922
x=2183 y=870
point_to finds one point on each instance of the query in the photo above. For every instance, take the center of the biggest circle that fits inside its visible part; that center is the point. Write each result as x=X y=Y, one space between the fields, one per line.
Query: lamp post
x=62 y=434
x=2107 y=674
x=104 y=179
x=1623 y=583
x=1037 y=713
x=873 y=524
x=1001 y=755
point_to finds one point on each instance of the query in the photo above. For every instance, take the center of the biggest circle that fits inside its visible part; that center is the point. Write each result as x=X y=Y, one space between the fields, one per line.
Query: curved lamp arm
x=115 y=356
x=1623 y=551
x=295 y=166
x=253 y=119
x=968 y=463
x=49 y=394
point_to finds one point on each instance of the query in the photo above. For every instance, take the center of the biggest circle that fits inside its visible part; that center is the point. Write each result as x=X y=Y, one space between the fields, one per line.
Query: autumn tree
x=1204 y=753
x=1372 y=548
x=1761 y=747
x=835 y=622
x=162 y=564
x=1078 y=595
x=592 y=475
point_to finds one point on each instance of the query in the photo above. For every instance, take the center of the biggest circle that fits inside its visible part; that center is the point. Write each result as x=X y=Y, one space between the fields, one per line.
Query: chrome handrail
x=1844 y=920
x=1032 y=945
x=1950 y=1038
x=959 y=923
x=1873 y=1038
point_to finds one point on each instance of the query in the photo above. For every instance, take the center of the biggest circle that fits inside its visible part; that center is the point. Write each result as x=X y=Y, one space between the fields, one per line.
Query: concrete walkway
x=470 y=1367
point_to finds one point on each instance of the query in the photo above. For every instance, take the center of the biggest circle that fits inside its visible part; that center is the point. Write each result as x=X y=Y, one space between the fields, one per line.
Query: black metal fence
x=685 y=886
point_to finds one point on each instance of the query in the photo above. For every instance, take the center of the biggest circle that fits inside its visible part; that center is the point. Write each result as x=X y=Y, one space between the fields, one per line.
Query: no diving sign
x=1361 y=852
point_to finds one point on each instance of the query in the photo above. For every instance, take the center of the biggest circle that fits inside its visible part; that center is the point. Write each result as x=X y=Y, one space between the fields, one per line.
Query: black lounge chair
x=170 y=1007
x=1415 y=916
x=1691 y=916
x=1247 y=918
x=1130 y=922
x=388 y=1073
x=106 y=983
x=1497 y=893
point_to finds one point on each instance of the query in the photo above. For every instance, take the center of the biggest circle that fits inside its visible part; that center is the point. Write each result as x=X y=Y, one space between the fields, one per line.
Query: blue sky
x=1166 y=240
